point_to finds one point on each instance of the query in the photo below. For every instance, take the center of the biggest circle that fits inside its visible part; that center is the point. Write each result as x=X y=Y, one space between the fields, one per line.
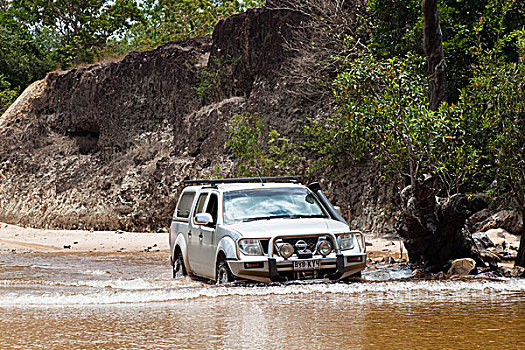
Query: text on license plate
x=301 y=265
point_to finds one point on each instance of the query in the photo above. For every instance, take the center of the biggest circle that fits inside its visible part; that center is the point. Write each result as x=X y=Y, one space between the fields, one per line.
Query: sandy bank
x=16 y=239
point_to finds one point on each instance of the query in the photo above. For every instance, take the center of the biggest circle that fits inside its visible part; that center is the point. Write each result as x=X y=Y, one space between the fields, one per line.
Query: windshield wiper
x=302 y=216
x=268 y=217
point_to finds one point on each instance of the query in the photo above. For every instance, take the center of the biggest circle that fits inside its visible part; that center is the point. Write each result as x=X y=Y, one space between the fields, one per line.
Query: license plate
x=303 y=265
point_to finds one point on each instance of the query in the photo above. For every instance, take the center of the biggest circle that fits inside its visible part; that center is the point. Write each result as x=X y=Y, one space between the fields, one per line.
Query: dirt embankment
x=107 y=147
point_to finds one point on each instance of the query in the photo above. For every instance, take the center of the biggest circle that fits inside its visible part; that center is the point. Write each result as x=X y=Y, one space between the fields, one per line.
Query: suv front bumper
x=276 y=269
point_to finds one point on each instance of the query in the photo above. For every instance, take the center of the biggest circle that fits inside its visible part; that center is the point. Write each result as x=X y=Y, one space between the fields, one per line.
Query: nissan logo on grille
x=301 y=245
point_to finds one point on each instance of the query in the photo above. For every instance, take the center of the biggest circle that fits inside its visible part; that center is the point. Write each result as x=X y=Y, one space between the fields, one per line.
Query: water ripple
x=140 y=291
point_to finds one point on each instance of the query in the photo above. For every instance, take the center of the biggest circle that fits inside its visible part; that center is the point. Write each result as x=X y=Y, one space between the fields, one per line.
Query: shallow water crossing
x=130 y=301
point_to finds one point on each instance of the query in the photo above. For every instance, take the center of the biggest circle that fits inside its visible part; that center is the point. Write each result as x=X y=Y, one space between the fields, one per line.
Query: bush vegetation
x=381 y=109
x=260 y=152
x=494 y=105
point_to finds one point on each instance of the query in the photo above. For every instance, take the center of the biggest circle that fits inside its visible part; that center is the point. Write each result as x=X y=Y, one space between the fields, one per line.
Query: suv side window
x=184 y=205
x=211 y=208
x=200 y=204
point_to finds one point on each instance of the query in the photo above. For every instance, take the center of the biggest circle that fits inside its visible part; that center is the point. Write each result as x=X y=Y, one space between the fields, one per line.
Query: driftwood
x=433 y=229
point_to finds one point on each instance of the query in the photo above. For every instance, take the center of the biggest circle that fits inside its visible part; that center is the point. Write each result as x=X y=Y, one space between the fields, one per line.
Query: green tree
x=169 y=20
x=477 y=145
x=494 y=103
x=24 y=55
x=7 y=95
x=79 y=29
x=382 y=110
x=396 y=28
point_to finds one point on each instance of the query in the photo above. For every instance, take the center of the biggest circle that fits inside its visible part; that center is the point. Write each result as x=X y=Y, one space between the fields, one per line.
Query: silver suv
x=261 y=229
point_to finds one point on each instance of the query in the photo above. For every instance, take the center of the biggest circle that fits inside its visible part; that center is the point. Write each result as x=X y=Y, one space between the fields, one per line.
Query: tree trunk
x=520 y=259
x=433 y=232
x=433 y=48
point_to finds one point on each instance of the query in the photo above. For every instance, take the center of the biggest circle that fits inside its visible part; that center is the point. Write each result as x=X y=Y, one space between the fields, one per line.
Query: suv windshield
x=270 y=203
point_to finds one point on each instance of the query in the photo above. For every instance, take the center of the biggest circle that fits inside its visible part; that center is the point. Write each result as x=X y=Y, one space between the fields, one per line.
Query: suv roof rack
x=243 y=180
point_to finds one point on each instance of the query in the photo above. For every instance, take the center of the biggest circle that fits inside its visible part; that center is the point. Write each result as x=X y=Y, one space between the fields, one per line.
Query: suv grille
x=311 y=242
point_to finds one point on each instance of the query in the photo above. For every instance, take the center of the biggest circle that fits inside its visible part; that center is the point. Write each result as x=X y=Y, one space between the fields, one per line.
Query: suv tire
x=224 y=274
x=179 y=269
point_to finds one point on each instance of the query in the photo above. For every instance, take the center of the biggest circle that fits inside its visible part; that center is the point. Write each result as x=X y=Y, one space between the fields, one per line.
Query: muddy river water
x=130 y=301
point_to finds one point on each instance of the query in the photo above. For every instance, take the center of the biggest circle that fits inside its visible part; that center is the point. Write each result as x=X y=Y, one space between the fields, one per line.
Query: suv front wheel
x=224 y=274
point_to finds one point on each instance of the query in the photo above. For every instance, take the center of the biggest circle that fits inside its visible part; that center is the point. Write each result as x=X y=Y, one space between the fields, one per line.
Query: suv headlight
x=323 y=247
x=286 y=250
x=345 y=241
x=250 y=247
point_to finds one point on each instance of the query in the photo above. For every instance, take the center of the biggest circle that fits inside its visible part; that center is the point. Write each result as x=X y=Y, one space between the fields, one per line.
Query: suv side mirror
x=203 y=219
x=338 y=209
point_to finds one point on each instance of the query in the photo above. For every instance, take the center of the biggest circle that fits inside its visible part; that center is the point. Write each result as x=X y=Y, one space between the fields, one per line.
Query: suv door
x=202 y=242
x=195 y=238
x=209 y=236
